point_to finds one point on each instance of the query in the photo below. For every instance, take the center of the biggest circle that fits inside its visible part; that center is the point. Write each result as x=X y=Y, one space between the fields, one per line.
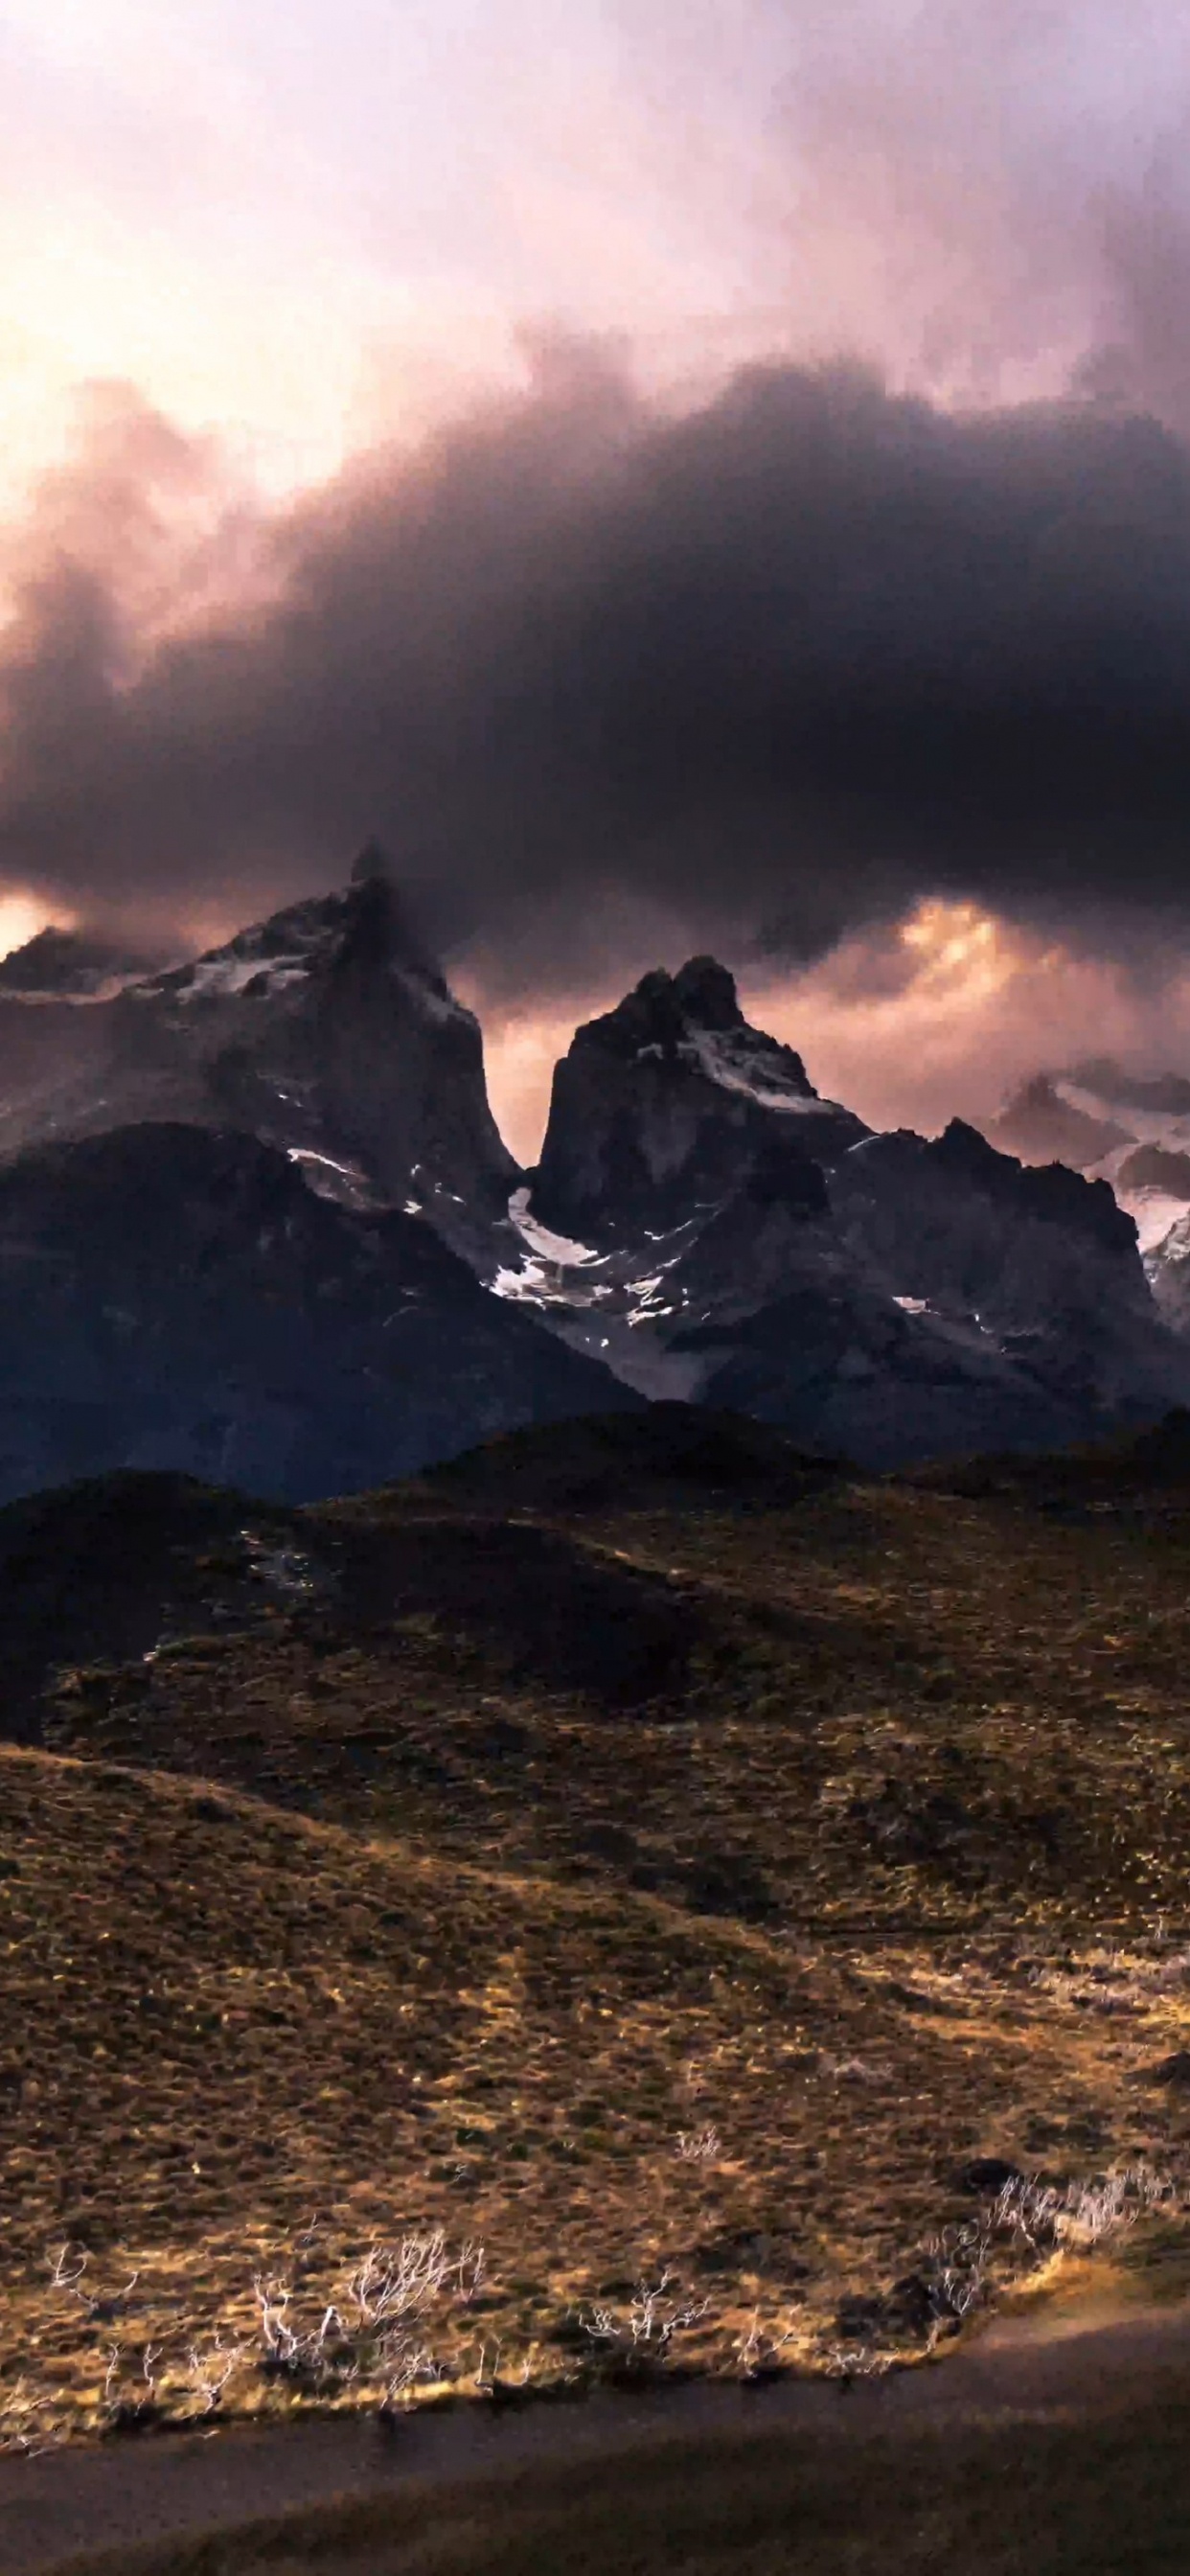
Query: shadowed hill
x=176 y=1297
x=673 y=1454
x=102 y=1570
x=1151 y=1463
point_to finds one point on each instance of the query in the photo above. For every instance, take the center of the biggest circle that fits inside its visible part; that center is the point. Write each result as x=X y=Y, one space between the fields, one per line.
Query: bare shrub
x=640 y=2334
x=67 y=2270
x=1112 y=1980
x=1080 y=2214
x=759 y=2351
x=209 y=2368
x=130 y=2395
x=846 y=2362
x=1032 y=2219
x=1016 y=2231
x=371 y=2328
x=699 y=2146
x=23 y=2425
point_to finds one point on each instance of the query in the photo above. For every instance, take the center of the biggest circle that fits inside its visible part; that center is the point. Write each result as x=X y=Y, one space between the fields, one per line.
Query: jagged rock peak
x=900 y=1166
x=365 y=923
x=373 y=861
x=673 y=1101
x=324 y=1030
x=705 y=991
x=693 y=1020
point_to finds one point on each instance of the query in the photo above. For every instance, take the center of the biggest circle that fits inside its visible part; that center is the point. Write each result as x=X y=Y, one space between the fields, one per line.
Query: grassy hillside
x=689 y=1869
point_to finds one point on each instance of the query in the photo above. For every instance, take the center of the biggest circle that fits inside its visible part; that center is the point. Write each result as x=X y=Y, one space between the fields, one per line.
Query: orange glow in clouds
x=21 y=917
x=932 y=1018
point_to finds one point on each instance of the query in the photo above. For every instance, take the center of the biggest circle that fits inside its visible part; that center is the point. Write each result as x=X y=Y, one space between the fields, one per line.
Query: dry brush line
x=386 y=2327
x=373 y=2337
x=1017 y=2232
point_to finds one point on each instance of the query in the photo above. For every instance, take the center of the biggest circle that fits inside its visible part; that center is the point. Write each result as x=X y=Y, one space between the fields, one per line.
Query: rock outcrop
x=717 y=1233
x=325 y=1031
x=177 y=1297
x=670 y=1102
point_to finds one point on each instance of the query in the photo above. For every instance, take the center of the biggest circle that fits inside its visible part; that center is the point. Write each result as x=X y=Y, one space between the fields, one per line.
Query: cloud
x=764 y=671
x=939 y=1015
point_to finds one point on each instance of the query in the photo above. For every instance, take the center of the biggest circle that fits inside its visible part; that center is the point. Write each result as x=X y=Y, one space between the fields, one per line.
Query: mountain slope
x=1116 y=1126
x=324 y=1030
x=177 y=1297
x=716 y=1232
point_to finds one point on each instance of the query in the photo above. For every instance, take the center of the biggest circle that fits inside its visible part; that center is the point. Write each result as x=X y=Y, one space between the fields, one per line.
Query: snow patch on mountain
x=541 y=1240
x=755 y=1066
x=215 y=978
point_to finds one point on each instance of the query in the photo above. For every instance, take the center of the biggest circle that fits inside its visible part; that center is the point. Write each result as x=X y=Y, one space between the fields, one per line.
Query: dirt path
x=120 y=2495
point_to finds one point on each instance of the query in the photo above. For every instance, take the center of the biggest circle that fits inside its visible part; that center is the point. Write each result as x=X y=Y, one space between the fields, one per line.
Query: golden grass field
x=639 y=1875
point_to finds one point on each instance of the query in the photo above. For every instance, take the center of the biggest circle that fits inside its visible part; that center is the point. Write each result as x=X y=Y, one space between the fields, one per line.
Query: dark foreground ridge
x=176 y=1296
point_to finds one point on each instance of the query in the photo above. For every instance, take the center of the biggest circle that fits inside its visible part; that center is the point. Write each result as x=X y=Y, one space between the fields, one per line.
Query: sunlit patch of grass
x=379 y=1914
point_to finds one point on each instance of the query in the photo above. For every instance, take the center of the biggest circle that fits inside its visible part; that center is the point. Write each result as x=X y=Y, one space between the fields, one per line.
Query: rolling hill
x=710 y=1864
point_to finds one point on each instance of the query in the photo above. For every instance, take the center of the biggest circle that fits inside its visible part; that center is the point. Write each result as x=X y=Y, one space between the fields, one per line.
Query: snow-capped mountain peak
x=326 y=1030
x=667 y=1101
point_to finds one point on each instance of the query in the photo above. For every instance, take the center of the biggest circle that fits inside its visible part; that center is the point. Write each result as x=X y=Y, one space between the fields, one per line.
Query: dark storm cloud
x=775 y=667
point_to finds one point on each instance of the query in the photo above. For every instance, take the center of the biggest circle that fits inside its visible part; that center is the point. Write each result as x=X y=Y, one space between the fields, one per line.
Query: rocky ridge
x=703 y=1227
x=733 y=1239
x=325 y=1031
x=176 y=1297
x=1130 y=1130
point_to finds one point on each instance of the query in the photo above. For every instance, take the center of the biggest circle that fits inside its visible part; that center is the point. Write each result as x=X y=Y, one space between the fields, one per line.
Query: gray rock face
x=670 y=1101
x=718 y=1234
x=1169 y=1276
x=966 y=1227
x=176 y=1297
x=324 y=1030
x=1130 y=1130
x=974 y=1302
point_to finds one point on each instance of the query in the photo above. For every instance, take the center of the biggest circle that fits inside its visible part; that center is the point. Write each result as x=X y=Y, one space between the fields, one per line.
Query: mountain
x=1132 y=1131
x=672 y=1099
x=1042 y=1125
x=68 y=965
x=325 y=1031
x=232 y=1189
x=716 y=1232
x=177 y=1297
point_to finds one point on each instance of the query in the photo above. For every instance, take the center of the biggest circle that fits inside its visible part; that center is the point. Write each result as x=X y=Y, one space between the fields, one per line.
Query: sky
x=685 y=472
